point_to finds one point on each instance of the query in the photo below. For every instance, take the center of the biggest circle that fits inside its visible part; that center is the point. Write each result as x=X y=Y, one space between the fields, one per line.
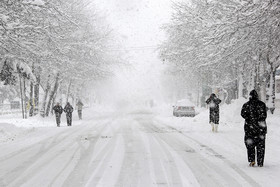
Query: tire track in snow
x=75 y=175
x=25 y=157
x=164 y=172
x=146 y=163
x=135 y=170
x=86 y=166
x=27 y=148
x=149 y=157
x=45 y=159
x=184 y=172
x=189 y=161
x=102 y=164
x=206 y=151
x=64 y=143
x=29 y=144
x=113 y=167
x=174 y=172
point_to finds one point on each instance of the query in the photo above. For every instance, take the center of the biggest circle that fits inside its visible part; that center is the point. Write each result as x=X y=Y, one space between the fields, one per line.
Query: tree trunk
x=45 y=98
x=252 y=81
x=240 y=86
x=53 y=102
x=262 y=92
x=36 y=94
x=21 y=98
x=197 y=96
x=25 y=98
x=52 y=95
x=262 y=78
x=68 y=91
x=31 y=99
x=271 y=91
x=73 y=100
x=59 y=96
x=74 y=96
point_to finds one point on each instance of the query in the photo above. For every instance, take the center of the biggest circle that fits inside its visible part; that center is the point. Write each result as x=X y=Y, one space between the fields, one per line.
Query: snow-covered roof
x=277 y=77
x=184 y=102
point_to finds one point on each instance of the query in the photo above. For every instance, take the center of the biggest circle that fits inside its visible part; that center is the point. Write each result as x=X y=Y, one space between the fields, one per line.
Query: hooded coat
x=213 y=102
x=68 y=109
x=254 y=113
x=80 y=105
x=58 y=109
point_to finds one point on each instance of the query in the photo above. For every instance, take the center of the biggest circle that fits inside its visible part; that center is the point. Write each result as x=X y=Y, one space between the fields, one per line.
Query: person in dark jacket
x=68 y=109
x=254 y=113
x=213 y=103
x=58 y=111
x=80 y=108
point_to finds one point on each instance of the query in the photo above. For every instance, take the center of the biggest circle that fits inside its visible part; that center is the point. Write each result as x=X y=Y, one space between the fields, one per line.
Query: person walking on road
x=58 y=111
x=254 y=113
x=68 y=109
x=213 y=103
x=80 y=108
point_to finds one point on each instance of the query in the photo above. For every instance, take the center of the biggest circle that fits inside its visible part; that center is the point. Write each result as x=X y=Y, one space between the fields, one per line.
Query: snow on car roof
x=184 y=102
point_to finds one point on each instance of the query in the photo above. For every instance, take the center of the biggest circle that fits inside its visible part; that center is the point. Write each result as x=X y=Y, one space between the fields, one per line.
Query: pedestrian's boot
x=216 y=127
x=252 y=164
x=212 y=125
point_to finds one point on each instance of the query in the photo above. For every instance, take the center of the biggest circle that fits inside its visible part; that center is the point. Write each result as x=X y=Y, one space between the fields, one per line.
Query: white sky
x=138 y=23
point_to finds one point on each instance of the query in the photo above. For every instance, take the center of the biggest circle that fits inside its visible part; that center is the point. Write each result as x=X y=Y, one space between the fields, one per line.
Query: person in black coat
x=68 y=109
x=58 y=111
x=213 y=103
x=254 y=113
x=80 y=108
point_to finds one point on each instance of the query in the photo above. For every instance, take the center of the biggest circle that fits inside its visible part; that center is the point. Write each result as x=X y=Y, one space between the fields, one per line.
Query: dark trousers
x=69 y=119
x=57 y=117
x=255 y=144
x=80 y=114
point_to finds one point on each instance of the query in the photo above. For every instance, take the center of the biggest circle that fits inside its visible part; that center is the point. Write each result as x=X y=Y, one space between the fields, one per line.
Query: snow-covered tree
x=226 y=42
x=54 y=42
x=7 y=74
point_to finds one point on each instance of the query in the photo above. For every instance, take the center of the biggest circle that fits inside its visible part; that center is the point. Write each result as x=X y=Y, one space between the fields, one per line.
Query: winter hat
x=253 y=94
x=213 y=95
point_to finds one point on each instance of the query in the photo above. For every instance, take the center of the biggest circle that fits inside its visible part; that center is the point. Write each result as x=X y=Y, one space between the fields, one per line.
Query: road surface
x=127 y=150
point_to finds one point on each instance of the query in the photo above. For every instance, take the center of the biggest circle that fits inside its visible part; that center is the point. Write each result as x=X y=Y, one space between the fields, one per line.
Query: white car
x=184 y=107
x=179 y=111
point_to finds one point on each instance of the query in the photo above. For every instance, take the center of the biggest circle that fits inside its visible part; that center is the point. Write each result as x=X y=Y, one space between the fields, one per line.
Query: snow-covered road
x=135 y=149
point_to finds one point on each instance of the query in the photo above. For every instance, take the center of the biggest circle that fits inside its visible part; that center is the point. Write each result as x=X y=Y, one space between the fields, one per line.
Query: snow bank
x=12 y=125
x=8 y=132
x=38 y=121
x=232 y=112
